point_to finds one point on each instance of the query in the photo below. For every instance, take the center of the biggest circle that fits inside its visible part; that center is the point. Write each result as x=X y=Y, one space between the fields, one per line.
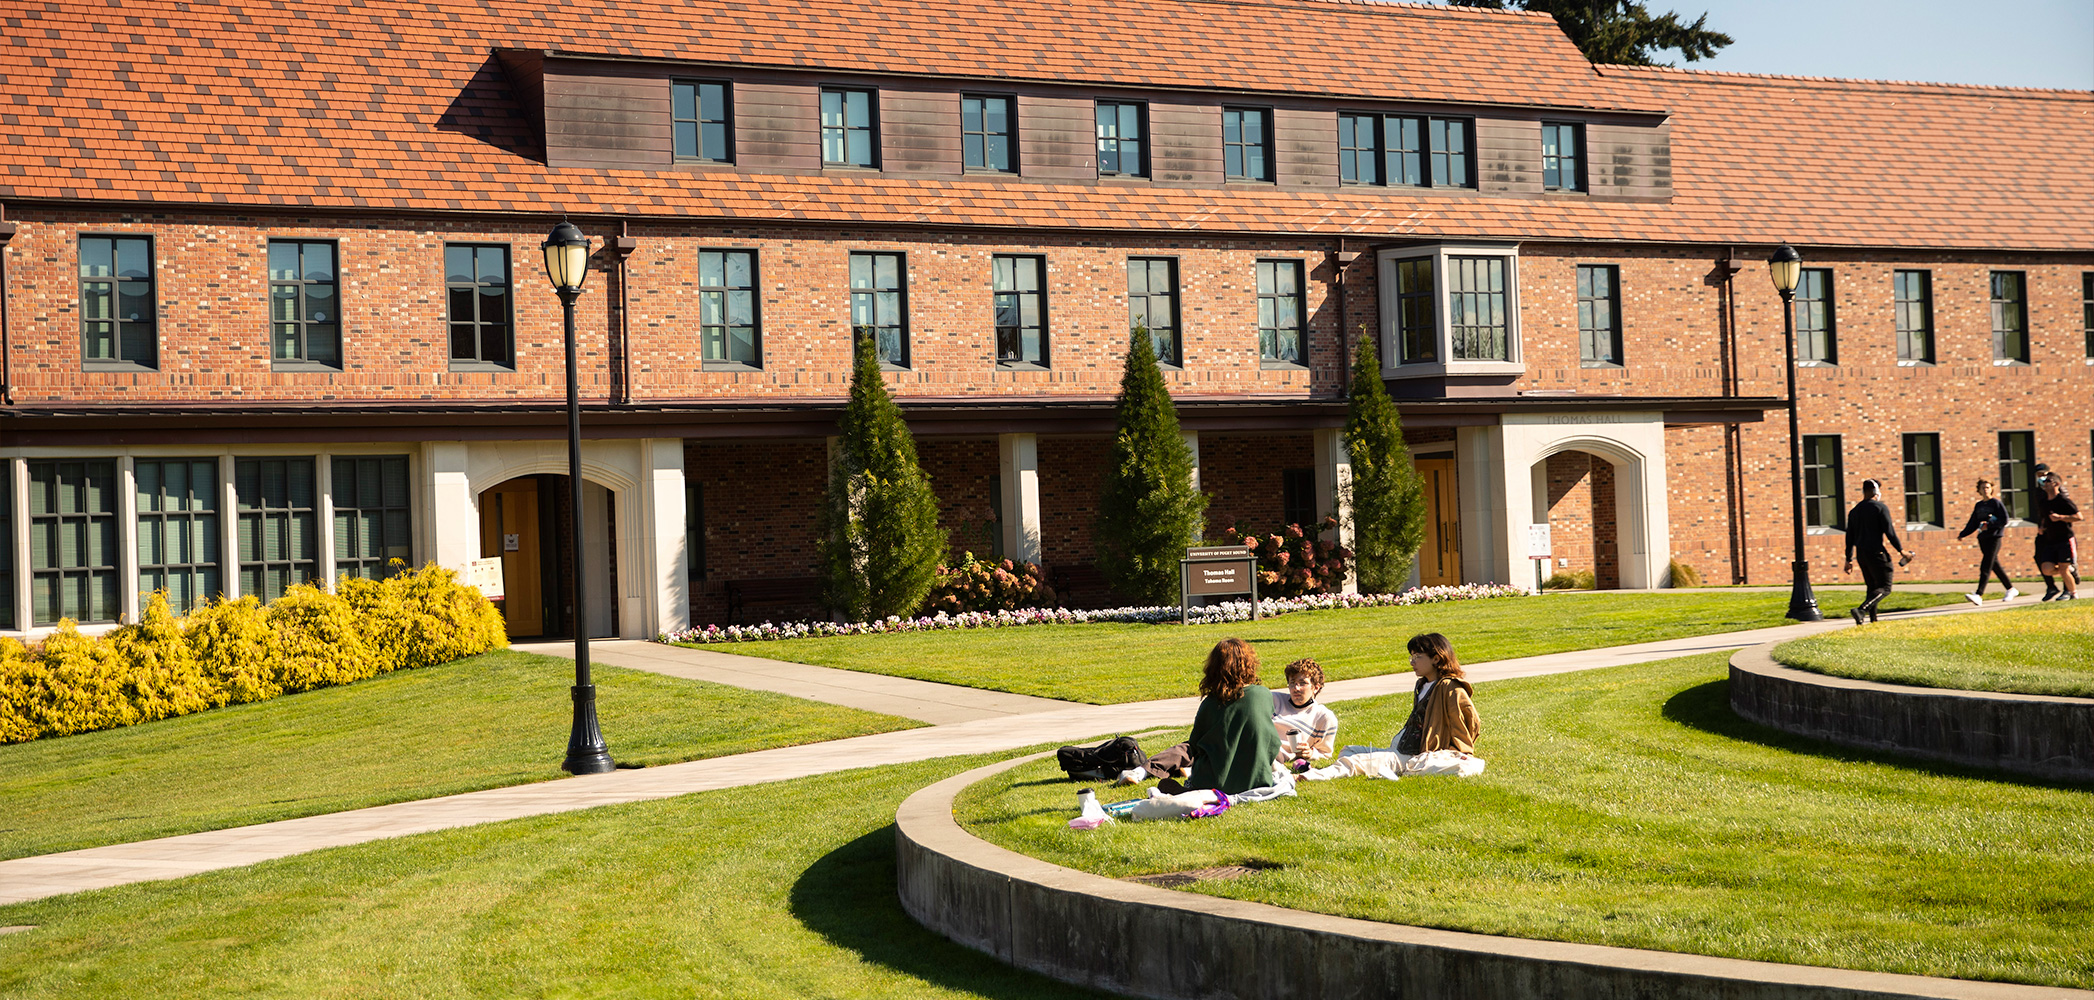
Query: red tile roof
x=398 y=106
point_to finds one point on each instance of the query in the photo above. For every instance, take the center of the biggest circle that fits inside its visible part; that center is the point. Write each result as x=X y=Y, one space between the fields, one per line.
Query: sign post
x=1214 y=570
x=1538 y=550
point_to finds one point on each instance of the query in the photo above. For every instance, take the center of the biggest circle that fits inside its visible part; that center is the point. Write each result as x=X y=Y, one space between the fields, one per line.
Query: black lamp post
x=567 y=266
x=1785 y=267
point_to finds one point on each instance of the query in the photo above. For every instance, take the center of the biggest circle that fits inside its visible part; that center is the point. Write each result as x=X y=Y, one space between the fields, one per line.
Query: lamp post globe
x=1785 y=269
x=567 y=267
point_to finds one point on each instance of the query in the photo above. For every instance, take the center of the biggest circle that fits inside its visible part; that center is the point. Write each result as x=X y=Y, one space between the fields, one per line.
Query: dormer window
x=1450 y=309
x=1562 y=156
x=700 y=112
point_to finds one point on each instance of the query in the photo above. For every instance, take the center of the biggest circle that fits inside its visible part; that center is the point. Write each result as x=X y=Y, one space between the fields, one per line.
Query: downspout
x=623 y=246
x=1345 y=259
x=7 y=382
x=1733 y=433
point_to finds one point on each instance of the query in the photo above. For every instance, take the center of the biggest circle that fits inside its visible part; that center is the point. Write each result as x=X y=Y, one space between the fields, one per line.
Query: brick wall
x=1698 y=501
x=762 y=500
x=962 y=473
x=1240 y=473
x=1583 y=533
x=1072 y=472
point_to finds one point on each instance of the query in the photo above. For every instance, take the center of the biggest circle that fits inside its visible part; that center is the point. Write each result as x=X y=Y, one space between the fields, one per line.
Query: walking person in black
x=2056 y=550
x=1868 y=527
x=1987 y=519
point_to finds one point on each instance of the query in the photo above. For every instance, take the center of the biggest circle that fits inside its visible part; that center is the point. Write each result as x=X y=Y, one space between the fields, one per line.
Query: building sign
x=1215 y=570
x=1538 y=541
x=486 y=574
x=1219 y=578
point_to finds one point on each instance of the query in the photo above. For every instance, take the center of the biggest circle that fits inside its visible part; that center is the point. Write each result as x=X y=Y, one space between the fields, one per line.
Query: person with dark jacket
x=2057 y=552
x=1868 y=527
x=1988 y=519
x=1233 y=740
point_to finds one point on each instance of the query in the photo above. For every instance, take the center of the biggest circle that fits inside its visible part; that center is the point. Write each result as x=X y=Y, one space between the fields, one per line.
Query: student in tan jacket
x=1443 y=715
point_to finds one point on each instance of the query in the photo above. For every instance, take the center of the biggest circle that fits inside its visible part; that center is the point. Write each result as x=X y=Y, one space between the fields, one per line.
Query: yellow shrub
x=427 y=616
x=322 y=640
x=235 y=645
x=24 y=686
x=85 y=684
x=161 y=676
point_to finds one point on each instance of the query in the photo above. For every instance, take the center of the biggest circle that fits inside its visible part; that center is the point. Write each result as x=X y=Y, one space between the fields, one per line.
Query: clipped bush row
x=229 y=652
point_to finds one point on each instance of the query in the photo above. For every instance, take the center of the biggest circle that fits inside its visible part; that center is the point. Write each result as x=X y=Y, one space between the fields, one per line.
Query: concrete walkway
x=1001 y=723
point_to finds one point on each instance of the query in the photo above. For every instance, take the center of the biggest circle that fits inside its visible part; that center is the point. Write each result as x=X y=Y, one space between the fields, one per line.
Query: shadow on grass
x=848 y=897
x=1707 y=707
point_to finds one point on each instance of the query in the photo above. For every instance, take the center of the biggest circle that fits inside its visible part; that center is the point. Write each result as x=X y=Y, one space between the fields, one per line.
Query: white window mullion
x=128 y=597
x=229 y=528
x=18 y=485
x=323 y=483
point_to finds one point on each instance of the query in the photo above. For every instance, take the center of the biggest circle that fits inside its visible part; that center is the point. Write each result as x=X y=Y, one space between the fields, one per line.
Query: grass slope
x=1628 y=806
x=778 y=891
x=2040 y=649
x=491 y=720
x=1106 y=664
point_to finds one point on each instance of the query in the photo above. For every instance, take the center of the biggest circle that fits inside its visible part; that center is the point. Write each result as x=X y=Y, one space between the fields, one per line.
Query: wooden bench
x=770 y=590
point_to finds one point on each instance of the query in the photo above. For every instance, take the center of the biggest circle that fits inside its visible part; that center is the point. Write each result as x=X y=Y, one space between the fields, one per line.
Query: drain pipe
x=624 y=245
x=7 y=382
x=1734 y=434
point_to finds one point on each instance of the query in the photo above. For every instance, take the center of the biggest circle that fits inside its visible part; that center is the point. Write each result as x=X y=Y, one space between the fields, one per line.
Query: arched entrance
x=1505 y=489
x=527 y=521
x=1574 y=496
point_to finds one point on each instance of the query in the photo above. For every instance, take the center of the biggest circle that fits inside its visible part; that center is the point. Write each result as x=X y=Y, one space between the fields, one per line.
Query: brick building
x=272 y=307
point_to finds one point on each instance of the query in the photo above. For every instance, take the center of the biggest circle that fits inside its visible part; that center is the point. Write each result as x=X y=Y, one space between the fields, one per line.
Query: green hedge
x=229 y=652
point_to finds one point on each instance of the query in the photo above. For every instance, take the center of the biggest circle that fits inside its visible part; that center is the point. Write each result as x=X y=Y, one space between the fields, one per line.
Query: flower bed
x=1228 y=611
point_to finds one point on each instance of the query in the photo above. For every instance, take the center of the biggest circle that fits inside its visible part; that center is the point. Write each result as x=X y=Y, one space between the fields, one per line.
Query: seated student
x=1443 y=714
x=1307 y=728
x=1233 y=740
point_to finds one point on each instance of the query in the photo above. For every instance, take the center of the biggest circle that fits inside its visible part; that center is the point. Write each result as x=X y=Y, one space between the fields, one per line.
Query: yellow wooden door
x=1439 y=562
x=509 y=529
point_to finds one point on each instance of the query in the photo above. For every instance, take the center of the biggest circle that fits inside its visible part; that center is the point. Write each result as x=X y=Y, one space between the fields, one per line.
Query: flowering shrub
x=974 y=585
x=1229 y=611
x=1291 y=563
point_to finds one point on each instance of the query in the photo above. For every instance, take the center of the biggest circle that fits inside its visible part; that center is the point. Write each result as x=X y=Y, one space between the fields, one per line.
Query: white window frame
x=1440 y=254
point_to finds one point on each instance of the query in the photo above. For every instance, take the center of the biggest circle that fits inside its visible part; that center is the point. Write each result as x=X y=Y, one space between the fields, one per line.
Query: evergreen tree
x=1619 y=32
x=1387 y=496
x=1149 y=512
x=880 y=541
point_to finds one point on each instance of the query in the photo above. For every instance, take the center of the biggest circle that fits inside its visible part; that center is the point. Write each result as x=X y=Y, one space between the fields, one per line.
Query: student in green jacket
x=1233 y=739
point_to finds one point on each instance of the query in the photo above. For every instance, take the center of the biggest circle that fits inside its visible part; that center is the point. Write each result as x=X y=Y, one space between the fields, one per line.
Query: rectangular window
x=477 y=278
x=304 y=319
x=987 y=128
x=728 y=333
x=1280 y=312
x=1298 y=498
x=1912 y=299
x=1824 y=498
x=373 y=525
x=1816 y=330
x=1019 y=286
x=1246 y=139
x=279 y=525
x=847 y=128
x=118 y=310
x=1476 y=303
x=1923 y=480
x=1599 y=314
x=73 y=541
x=1450 y=151
x=1404 y=139
x=1416 y=322
x=1122 y=132
x=880 y=304
x=1359 y=149
x=178 y=508
x=694 y=527
x=1561 y=145
x=1152 y=301
x=2010 y=316
x=2086 y=292
x=700 y=111
x=2017 y=451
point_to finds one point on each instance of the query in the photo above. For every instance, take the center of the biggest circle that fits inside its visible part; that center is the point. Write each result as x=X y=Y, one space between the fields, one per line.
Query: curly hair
x=1231 y=667
x=1436 y=646
x=1305 y=667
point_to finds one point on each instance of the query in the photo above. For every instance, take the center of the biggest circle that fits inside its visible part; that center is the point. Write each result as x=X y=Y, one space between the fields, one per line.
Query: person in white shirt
x=1308 y=728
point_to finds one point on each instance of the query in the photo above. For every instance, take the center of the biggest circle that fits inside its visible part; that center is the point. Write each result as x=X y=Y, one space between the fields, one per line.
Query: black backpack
x=1104 y=761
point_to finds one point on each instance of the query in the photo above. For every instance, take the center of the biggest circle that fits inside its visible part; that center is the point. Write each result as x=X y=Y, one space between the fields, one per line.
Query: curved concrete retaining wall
x=2035 y=735
x=1149 y=942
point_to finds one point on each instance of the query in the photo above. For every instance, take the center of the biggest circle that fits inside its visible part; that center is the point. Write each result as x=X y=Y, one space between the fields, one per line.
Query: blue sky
x=2016 y=43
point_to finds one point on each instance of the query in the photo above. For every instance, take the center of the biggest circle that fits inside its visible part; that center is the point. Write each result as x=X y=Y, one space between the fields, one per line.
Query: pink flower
x=1294 y=531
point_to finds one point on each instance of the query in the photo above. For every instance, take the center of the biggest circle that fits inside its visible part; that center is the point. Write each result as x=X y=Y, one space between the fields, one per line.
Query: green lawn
x=2040 y=649
x=497 y=719
x=775 y=891
x=1106 y=664
x=1628 y=806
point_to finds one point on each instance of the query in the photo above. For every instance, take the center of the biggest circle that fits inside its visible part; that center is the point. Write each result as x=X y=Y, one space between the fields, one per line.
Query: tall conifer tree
x=1387 y=497
x=880 y=540
x=1149 y=511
